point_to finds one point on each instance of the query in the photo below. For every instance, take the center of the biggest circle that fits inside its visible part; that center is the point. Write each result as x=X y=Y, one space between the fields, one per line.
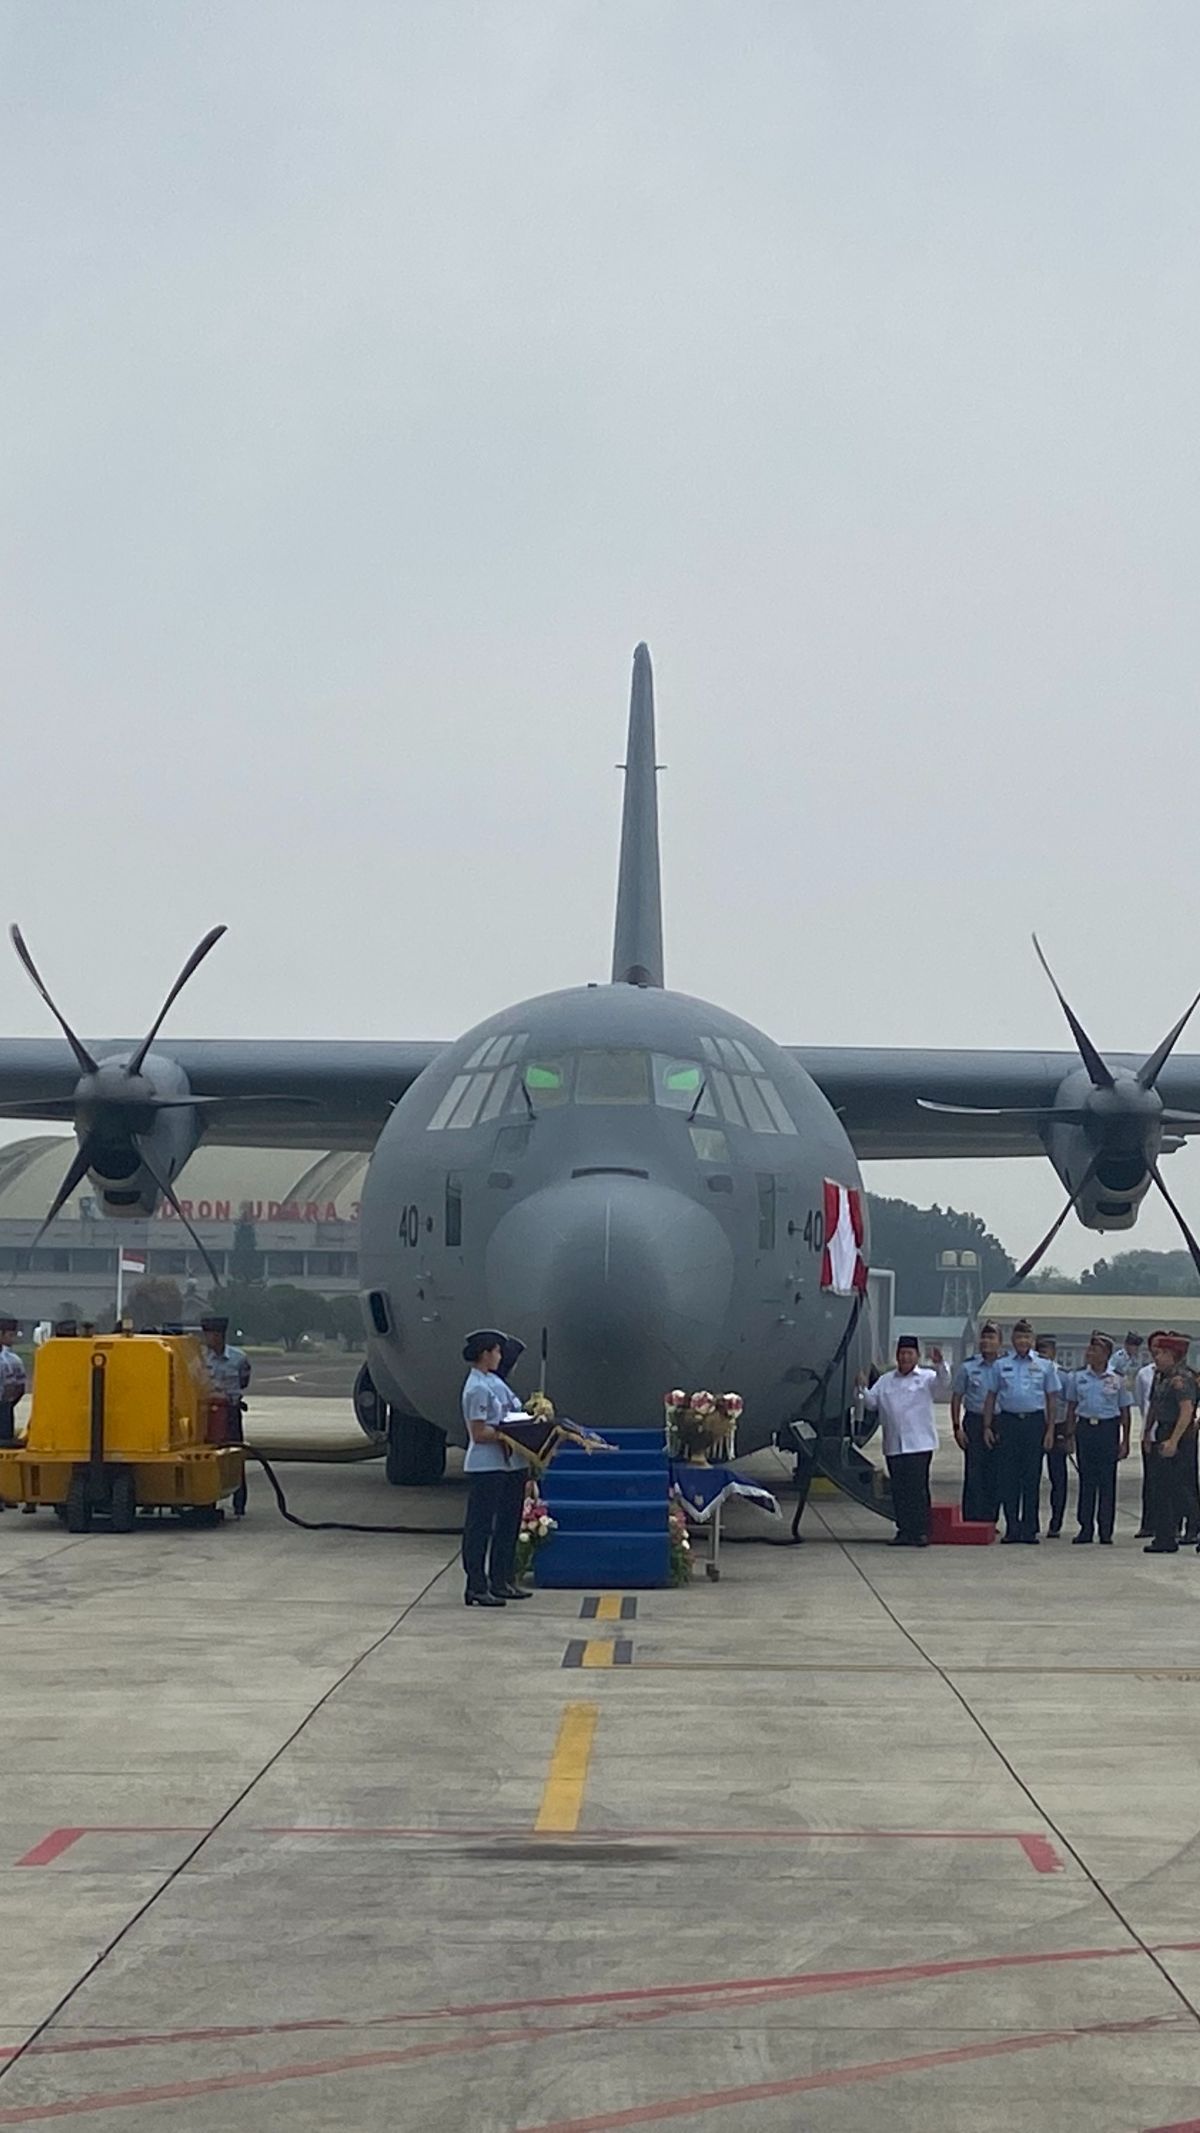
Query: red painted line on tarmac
x=60 y=1840
x=1037 y=1849
x=1041 y=1855
x=648 y=2114
x=52 y=1847
x=794 y=1985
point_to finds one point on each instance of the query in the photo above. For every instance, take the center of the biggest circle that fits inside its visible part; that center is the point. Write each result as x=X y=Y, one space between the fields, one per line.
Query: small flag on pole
x=133 y=1262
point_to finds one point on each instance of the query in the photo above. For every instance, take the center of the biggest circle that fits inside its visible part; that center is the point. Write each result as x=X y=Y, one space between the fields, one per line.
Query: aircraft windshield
x=728 y=1084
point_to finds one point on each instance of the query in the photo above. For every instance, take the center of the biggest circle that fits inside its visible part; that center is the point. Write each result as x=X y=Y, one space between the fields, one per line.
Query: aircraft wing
x=347 y=1088
x=875 y=1093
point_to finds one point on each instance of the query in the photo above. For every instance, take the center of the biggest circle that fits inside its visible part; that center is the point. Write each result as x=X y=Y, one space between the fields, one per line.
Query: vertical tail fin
x=637 y=938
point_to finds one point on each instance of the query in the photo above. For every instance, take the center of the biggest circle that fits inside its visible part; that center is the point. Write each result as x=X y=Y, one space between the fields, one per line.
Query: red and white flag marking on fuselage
x=843 y=1268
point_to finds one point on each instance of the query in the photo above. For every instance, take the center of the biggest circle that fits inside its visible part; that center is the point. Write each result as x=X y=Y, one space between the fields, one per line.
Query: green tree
x=154 y=1302
x=911 y=1240
x=294 y=1312
x=1140 y=1273
x=343 y=1322
x=245 y=1259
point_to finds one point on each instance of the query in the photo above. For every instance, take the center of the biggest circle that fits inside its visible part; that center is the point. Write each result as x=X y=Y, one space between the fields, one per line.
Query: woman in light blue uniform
x=496 y=1475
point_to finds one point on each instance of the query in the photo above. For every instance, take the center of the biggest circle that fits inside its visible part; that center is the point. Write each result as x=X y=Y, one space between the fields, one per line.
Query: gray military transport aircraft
x=638 y=1176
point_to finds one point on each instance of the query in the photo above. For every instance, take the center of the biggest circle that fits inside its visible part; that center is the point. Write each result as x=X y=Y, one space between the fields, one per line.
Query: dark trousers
x=909 y=1472
x=8 y=1422
x=1168 y=1487
x=1146 y=1521
x=981 y=1488
x=1020 y=1448
x=1056 y=1467
x=1096 y=1447
x=490 y=1529
x=1189 y=1452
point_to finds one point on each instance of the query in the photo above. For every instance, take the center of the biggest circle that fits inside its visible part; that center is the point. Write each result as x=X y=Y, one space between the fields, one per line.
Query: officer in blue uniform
x=1018 y=1417
x=973 y=1380
x=229 y=1374
x=1057 y=1457
x=1098 y=1410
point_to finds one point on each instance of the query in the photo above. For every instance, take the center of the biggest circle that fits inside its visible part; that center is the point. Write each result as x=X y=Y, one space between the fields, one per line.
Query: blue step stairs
x=611 y=1509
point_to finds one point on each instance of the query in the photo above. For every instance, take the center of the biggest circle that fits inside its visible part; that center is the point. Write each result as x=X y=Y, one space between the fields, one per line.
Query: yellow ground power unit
x=122 y=1423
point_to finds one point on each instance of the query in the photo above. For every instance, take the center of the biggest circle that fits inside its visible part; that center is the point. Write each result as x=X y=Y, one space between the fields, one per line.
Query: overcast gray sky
x=375 y=375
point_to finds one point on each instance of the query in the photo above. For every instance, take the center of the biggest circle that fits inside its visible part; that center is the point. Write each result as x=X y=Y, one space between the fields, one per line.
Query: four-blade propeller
x=114 y=1100
x=1120 y=1112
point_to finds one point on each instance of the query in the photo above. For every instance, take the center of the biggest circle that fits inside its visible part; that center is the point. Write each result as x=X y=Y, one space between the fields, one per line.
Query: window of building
x=281 y=1266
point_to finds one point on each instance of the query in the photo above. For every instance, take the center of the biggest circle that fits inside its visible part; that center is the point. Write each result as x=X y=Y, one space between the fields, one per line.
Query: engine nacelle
x=138 y=1129
x=1106 y=1151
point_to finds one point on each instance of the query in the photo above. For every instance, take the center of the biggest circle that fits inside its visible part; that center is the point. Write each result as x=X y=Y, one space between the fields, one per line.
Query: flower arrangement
x=681 y=1547
x=702 y=1425
x=536 y=1527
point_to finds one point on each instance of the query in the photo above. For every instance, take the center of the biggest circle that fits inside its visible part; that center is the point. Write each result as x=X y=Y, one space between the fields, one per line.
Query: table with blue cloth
x=703 y=1491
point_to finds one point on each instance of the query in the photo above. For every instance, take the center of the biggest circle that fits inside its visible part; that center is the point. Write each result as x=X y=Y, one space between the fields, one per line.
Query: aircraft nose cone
x=632 y=1281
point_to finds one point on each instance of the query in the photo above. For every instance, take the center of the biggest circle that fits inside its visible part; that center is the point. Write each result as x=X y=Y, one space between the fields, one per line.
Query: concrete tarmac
x=857 y=1839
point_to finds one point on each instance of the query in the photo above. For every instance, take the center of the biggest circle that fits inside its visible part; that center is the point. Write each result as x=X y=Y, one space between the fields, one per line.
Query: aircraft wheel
x=416 y=1452
x=78 y=1509
x=123 y=1501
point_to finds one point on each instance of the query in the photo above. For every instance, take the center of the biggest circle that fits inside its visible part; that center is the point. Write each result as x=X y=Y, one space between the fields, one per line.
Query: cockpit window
x=682 y=1085
x=548 y=1082
x=727 y=1084
x=613 y=1078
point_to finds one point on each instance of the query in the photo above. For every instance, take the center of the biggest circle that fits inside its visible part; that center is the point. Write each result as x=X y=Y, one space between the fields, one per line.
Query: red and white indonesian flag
x=132 y=1262
x=843 y=1268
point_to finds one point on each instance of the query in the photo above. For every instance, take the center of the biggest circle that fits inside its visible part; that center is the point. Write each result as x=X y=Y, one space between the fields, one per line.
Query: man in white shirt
x=903 y=1399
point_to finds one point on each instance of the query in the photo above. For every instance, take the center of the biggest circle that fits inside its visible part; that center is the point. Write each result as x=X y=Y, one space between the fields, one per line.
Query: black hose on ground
x=337 y=1525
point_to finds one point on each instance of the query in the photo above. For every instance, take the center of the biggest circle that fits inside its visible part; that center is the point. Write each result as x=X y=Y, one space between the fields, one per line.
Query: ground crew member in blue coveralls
x=1098 y=1410
x=973 y=1380
x=1018 y=1417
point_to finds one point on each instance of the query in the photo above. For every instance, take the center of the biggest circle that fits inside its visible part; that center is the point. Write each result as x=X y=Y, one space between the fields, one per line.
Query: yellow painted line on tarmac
x=609 y=1608
x=566 y=1779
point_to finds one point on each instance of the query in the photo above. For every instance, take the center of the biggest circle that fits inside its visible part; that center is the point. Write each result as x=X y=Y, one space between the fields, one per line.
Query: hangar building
x=303 y=1204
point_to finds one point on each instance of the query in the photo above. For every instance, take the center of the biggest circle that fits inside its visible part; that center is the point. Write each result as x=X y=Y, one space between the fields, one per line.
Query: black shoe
x=900 y=1540
x=1052 y=1532
x=921 y=1541
x=1009 y=1540
x=1082 y=1540
x=481 y=1599
x=1030 y=1540
x=510 y=1592
x=1172 y=1548
x=1106 y=1540
x=1144 y=1533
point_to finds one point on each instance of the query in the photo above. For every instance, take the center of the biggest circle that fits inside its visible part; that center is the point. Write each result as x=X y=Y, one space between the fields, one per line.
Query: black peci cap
x=909 y=1340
